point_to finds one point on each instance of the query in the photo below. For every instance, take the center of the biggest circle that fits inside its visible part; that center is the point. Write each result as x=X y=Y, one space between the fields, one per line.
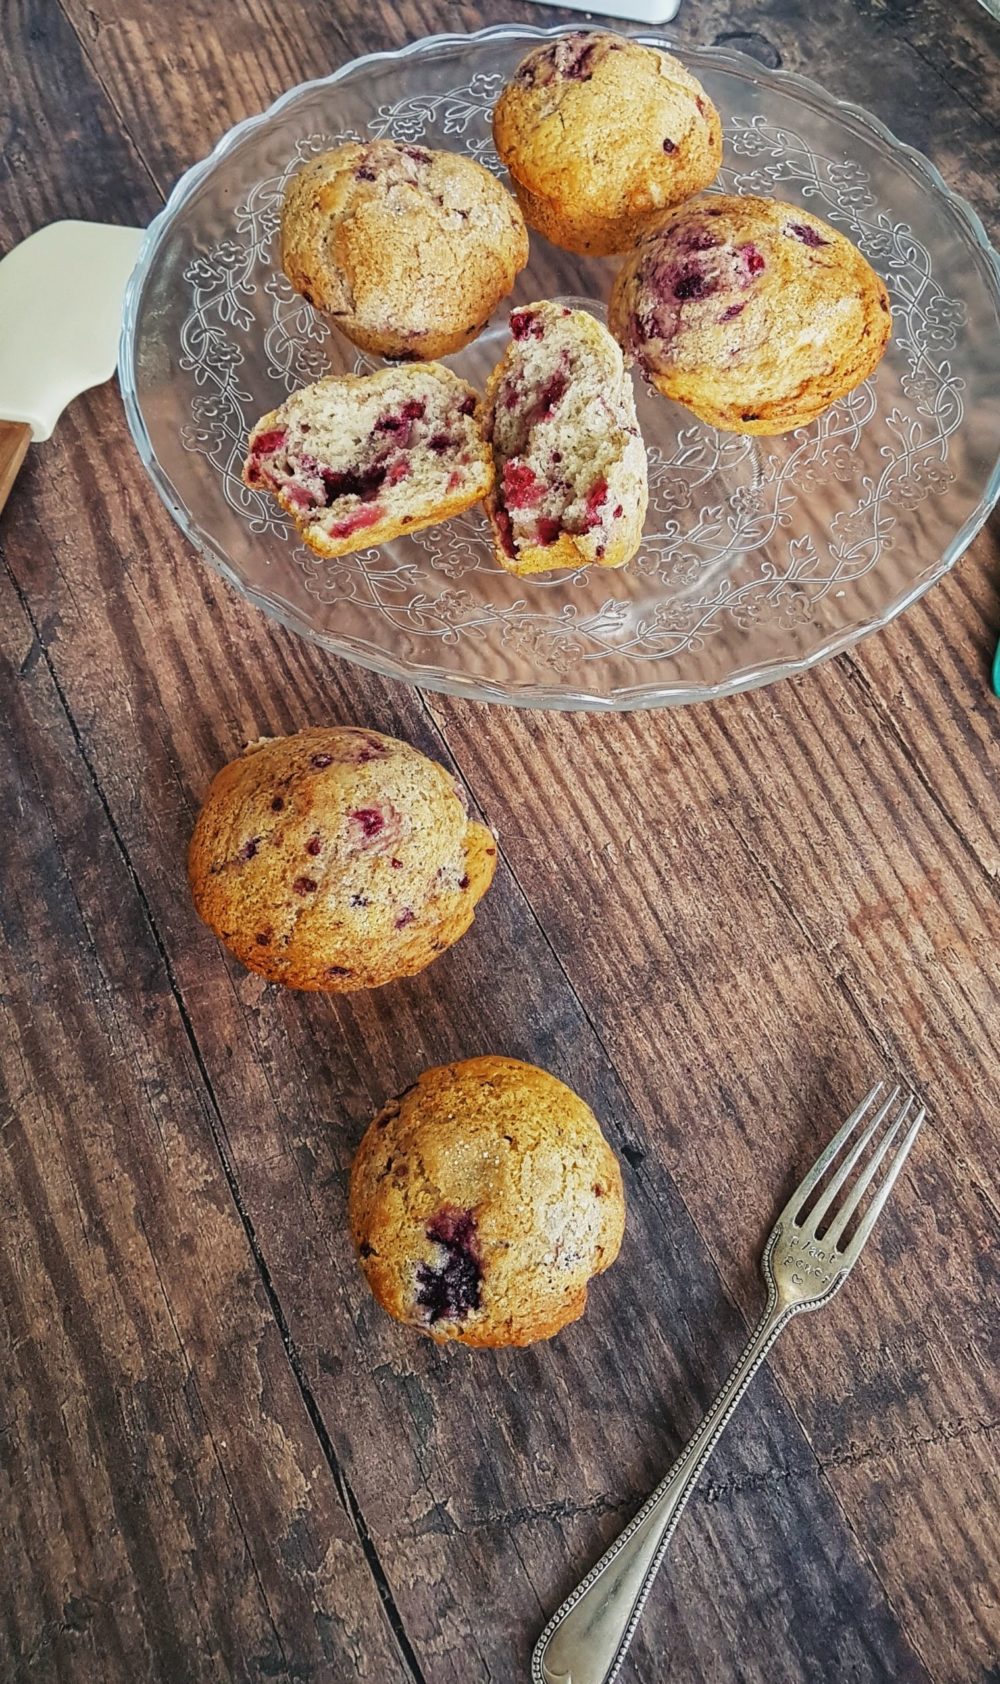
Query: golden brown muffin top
x=742 y=305
x=483 y=1200
x=401 y=244
x=604 y=122
x=337 y=858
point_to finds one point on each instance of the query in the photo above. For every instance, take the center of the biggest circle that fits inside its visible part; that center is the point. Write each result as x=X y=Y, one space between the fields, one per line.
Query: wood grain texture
x=218 y=1460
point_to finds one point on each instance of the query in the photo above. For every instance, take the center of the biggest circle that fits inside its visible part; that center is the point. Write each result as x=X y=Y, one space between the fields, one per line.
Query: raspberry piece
x=265 y=444
x=808 y=236
x=520 y=487
x=549 y=396
x=370 y=820
x=505 y=531
x=365 y=516
x=524 y=323
x=597 y=496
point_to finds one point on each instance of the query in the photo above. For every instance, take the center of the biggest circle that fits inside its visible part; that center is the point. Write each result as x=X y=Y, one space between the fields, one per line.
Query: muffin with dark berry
x=600 y=134
x=570 y=485
x=409 y=251
x=358 y=459
x=755 y=314
x=483 y=1201
x=337 y=859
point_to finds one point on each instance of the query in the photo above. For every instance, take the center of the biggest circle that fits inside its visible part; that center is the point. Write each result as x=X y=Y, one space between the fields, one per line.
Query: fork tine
x=828 y=1154
x=829 y=1193
x=871 y=1215
x=867 y=1177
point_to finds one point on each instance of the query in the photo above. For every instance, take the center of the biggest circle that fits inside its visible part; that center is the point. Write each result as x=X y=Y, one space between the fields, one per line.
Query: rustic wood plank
x=479 y=1512
x=143 y=1369
x=867 y=1526
x=839 y=954
x=218 y=64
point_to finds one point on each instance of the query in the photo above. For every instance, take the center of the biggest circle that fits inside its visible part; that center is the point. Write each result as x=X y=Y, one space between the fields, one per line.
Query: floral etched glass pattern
x=759 y=556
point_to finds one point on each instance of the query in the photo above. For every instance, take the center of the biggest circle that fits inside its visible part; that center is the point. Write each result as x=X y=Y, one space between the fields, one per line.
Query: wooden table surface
x=218 y=1459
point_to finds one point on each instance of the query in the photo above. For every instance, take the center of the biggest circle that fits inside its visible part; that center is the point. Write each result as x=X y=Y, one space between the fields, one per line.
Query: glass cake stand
x=760 y=556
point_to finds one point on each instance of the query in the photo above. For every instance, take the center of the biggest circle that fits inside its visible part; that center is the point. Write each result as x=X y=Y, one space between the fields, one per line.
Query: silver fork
x=806 y=1260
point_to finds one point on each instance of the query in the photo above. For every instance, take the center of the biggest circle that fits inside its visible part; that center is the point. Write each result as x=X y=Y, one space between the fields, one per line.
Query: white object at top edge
x=639 y=11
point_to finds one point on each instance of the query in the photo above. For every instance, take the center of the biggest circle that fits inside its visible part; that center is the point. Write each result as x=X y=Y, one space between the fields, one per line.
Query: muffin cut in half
x=569 y=461
x=356 y=459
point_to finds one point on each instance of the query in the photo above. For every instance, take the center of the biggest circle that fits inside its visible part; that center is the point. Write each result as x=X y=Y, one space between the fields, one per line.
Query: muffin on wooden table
x=356 y=459
x=410 y=251
x=755 y=314
x=337 y=859
x=569 y=461
x=600 y=134
x=483 y=1200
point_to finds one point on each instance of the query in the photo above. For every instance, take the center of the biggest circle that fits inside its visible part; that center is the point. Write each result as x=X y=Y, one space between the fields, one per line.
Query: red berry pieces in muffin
x=570 y=465
x=337 y=859
x=358 y=459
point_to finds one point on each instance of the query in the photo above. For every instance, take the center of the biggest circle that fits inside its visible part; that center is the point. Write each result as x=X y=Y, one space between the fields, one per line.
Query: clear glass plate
x=760 y=557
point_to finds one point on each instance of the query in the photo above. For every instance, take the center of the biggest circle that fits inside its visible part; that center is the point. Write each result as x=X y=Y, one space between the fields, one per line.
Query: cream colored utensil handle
x=15 y=437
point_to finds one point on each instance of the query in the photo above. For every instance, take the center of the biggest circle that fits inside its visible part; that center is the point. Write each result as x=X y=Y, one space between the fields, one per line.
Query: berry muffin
x=409 y=251
x=337 y=859
x=482 y=1201
x=755 y=314
x=356 y=459
x=600 y=135
x=569 y=461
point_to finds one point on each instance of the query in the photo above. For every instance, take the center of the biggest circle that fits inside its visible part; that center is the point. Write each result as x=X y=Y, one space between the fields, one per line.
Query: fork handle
x=587 y=1640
